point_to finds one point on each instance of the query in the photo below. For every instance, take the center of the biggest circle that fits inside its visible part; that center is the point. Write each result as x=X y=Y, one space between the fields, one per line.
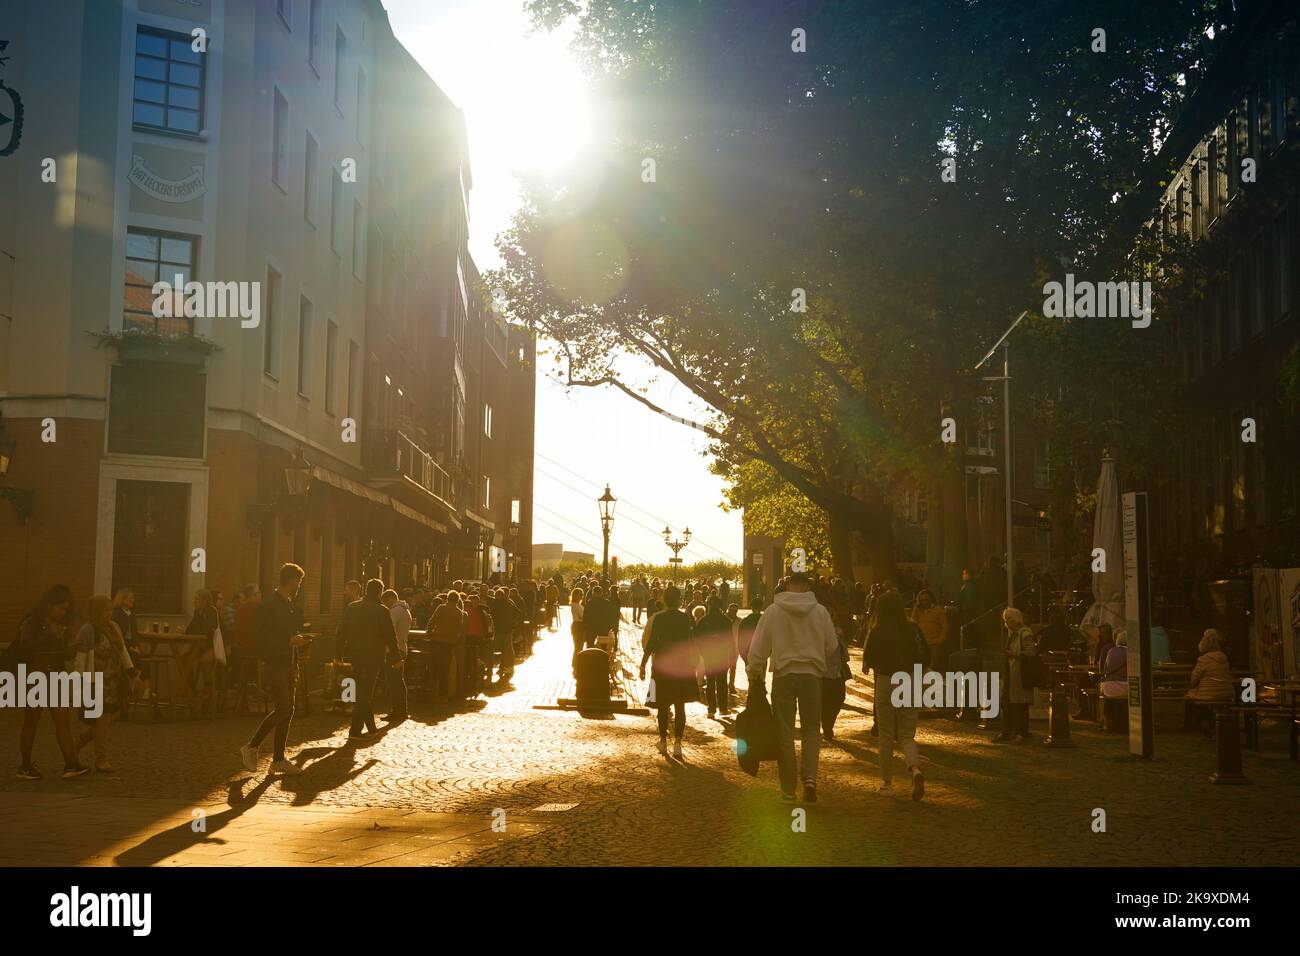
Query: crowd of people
x=694 y=638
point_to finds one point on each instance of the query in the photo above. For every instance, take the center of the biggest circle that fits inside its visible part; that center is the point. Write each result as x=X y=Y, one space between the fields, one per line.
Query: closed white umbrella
x=1108 y=585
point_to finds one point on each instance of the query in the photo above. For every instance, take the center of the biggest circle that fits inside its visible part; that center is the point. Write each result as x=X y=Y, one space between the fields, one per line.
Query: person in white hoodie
x=401 y=614
x=796 y=635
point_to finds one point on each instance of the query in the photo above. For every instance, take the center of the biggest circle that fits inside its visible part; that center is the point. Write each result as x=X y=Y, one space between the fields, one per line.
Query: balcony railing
x=395 y=453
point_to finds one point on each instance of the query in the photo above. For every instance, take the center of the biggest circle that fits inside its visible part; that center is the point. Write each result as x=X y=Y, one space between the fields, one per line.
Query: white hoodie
x=797 y=634
x=401 y=615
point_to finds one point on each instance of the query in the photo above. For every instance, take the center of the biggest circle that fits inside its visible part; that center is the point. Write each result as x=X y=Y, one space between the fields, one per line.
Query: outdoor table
x=185 y=651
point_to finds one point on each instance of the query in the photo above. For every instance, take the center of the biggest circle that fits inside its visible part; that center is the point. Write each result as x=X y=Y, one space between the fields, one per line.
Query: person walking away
x=895 y=645
x=717 y=649
x=204 y=622
x=639 y=596
x=278 y=627
x=101 y=649
x=479 y=637
x=552 y=604
x=503 y=624
x=1018 y=642
x=798 y=639
x=578 y=626
x=933 y=622
x=598 y=615
x=369 y=635
x=672 y=650
x=1210 y=683
x=447 y=630
x=833 y=690
x=45 y=646
x=745 y=627
x=400 y=612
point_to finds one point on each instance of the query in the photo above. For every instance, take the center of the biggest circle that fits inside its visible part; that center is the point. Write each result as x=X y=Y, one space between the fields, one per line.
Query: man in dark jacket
x=599 y=616
x=718 y=648
x=368 y=635
x=277 y=627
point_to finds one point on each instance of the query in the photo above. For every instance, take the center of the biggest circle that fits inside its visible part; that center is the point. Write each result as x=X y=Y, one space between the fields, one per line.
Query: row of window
x=1263 y=120
x=1256 y=295
x=169 y=89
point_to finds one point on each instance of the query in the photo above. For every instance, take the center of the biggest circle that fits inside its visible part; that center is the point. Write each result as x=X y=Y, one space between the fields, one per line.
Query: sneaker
x=1001 y=738
x=677 y=749
x=918 y=785
x=248 y=754
x=809 y=792
x=284 y=767
x=662 y=746
x=29 y=772
x=74 y=770
x=787 y=798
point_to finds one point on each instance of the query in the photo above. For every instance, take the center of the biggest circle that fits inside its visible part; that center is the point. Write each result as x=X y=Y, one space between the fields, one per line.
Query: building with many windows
x=292 y=159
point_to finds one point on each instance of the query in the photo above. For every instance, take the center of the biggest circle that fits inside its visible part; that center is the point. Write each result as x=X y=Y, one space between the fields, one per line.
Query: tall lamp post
x=1005 y=379
x=606 y=502
x=676 y=545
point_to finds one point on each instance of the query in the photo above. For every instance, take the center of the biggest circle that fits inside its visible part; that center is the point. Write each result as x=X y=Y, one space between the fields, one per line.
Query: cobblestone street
x=579 y=790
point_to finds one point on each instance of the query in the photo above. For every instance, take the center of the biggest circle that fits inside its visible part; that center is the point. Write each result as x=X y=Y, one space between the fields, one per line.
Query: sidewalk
x=71 y=830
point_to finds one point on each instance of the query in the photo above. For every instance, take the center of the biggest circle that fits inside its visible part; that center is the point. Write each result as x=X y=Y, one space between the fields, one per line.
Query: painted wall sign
x=167 y=190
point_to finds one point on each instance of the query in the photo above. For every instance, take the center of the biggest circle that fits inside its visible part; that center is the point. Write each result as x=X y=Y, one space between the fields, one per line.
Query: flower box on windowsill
x=143 y=346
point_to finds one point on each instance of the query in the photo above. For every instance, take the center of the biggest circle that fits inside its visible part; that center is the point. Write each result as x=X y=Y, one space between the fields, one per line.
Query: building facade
x=290 y=157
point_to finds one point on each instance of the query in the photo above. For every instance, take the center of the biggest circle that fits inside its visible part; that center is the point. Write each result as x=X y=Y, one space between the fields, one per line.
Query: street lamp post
x=676 y=546
x=1005 y=379
x=606 y=503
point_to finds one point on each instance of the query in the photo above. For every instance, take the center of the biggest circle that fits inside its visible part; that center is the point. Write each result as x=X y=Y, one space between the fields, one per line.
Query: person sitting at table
x=1211 y=682
x=1114 y=676
x=1055 y=638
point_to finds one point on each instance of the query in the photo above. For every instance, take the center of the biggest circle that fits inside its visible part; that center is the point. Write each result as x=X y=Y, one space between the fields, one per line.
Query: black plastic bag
x=755 y=733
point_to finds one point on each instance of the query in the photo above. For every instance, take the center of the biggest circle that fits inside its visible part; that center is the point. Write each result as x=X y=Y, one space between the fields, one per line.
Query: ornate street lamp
x=676 y=546
x=606 y=503
x=297 y=477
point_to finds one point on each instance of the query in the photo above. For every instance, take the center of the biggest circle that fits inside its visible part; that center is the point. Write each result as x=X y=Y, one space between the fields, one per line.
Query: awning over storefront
x=334 y=479
x=481 y=521
x=414 y=515
x=348 y=485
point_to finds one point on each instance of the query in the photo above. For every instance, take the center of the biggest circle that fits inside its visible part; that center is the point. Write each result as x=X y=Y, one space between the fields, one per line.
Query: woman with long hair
x=45 y=645
x=671 y=645
x=102 y=650
x=577 y=627
x=895 y=644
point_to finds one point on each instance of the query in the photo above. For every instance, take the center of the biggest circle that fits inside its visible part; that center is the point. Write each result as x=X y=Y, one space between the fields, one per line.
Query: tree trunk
x=841 y=541
x=878 y=537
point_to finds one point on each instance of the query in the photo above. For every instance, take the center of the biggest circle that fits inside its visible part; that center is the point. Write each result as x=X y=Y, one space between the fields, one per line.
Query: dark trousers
x=446 y=681
x=397 y=689
x=1198 y=715
x=832 y=704
x=1015 y=719
x=279 y=678
x=716 y=694
x=679 y=719
x=363 y=714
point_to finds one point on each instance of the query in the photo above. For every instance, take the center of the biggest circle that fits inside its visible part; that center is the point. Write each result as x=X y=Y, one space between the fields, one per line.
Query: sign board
x=757 y=559
x=1289 y=598
x=1137 y=623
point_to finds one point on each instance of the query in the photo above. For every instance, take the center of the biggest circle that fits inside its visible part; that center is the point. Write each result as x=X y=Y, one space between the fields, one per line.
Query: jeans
x=679 y=720
x=897 y=725
x=805 y=691
x=363 y=714
x=279 y=677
